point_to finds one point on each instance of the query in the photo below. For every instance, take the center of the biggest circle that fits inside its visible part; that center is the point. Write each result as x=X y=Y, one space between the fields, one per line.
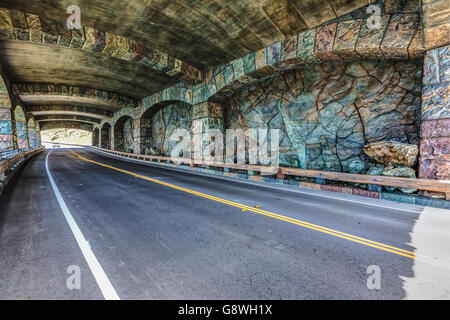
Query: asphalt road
x=155 y=241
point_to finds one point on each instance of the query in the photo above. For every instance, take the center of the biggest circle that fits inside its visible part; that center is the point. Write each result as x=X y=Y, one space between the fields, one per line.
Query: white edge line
x=108 y=291
x=299 y=190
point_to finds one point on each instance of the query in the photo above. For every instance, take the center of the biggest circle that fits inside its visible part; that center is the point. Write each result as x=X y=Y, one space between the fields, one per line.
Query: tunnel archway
x=32 y=133
x=95 y=137
x=105 y=138
x=159 y=122
x=20 y=122
x=123 y=134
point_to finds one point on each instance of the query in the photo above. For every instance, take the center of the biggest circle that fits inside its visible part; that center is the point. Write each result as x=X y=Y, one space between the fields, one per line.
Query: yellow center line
x=336 y=233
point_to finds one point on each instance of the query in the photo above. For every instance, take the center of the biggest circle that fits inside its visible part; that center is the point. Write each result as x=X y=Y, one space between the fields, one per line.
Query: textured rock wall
x=328 y=112
x=165 y=121
x=123 y=135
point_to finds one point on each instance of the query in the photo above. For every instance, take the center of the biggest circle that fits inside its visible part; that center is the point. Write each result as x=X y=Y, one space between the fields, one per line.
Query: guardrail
x=10 y=153
x=442 y=186
x=9 y=165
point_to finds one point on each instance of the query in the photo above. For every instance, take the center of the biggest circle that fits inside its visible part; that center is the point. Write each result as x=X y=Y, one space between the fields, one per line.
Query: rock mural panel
x=327 y=112
x=6 y=126
x=123 y=135
x=164 y=123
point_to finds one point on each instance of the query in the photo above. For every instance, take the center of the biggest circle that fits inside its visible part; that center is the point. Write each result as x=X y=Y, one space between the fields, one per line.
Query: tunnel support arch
x=105 y=136
x=123 y=138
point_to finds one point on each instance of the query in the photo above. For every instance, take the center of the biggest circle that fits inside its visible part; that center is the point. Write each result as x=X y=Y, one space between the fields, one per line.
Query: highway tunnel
x=182 y=149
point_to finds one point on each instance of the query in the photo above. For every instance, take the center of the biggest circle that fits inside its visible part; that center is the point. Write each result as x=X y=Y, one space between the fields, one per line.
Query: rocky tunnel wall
x=123 y=135
x=327 y=113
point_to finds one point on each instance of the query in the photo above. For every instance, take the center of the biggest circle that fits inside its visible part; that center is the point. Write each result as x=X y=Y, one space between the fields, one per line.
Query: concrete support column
x=21 y=129
x=32 y=133
x=136 y=136
x=208 y=128
x=106 y=137
x=112 y=137
x=144 y=137
x=100 y=137
x=435 y=126
x=38 y=135
x=96 y=137
x=434 y=162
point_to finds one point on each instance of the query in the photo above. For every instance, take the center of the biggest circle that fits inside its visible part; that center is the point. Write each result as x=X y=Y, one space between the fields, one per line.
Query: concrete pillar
x=112 y=138
x=106 y=133
x=32 y=133
x=38 y=135
x=99 y=137
x=21 y=128
x=207 y=117
x=434 y=162
x=136 y=136
x=96 y=137
x=144 y=136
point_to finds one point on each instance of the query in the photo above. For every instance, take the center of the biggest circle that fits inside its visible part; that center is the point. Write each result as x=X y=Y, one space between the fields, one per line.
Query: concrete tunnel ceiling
x=202 y=33
x=171 y=41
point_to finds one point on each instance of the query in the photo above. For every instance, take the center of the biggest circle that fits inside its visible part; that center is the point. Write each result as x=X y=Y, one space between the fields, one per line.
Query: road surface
x=158 y=233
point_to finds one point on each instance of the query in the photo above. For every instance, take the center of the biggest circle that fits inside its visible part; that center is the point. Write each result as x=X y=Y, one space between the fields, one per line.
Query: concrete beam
x=66 y=125
x=59 y=94
x=21 y=26
x=95 y=113
x=62 y=117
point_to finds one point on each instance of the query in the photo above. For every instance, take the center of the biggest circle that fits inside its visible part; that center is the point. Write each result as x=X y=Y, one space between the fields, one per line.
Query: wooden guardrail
x=442 y=186
x=409 y=183
x=6 y=164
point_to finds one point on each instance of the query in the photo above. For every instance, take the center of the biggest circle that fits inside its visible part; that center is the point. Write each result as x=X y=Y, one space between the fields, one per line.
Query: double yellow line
x=336 y=233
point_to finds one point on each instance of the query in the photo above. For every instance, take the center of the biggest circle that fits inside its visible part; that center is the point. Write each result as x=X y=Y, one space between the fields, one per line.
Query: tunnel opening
x=66 y=131
x=67 y=135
